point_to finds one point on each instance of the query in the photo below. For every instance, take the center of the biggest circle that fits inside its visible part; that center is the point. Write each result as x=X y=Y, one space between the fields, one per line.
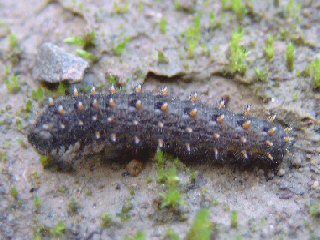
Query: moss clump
x=193 y=35
x=106 y=220
x=13 y=84
x=314 y=210
x=3 y=156
x=269 y=50
x=38 y=95
x=14 y=193
x=37 y=201
x=138 y=236
x=45 y=161
x=171 y=235
x=85 y=41
x=238 y=54
x=313 y=71
x=73 y=207
x=163 y=25
x=121 y=9
x=126 y=208
x=234 y=219
x=59 y=229
x=262 y=75
x=290 y=57
x=87 y=55
x=201 y=227
x=239 y=9
x=162 y=58
x=119 y=49
x=172 y=198
x=15 y=49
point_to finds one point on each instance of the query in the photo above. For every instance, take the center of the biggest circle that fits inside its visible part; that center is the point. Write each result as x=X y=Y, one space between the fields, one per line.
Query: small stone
x=270 y=175
x=134 y=167
x=297 y=160
x=54 y=65
x=281 y=172
x=118 y=186
x=315 y=185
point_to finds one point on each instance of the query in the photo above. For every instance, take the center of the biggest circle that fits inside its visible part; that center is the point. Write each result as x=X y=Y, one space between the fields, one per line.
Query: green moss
x=163 y=25
x=171 y=235
x=13 y=84
x=62 y=89
x=29 y=106
x=3 y=156
x=162 y=58
x=40 y=232
x=234 y=219
x=38 y=95
x=193 y=35
x=172 y=198
x=225 y=4
x=239 y=9
x=14 y=193
x=177 y=5
x=37 y=201
x=290 y=57
x=13 y=41
x=59 y=229
x=269 y=50
x=15 y=49
x=212 y=20
x=296 y=97
x=73 y=206
x=262 y=75
x=119 y=49
x=314 y=210
x=140 y=7
x=86 y=55
x=106 y=220
x=62 y=189
x=293 y=10
x=126 y=208
x=313 y=71
x=238 y=54
x=45 y=161
x=193 y=177
x=19 y=124
x=121 y=9
x=138 y=236
x=85 y=41
x=201 y=227
x=215 y=202
x=160 y=158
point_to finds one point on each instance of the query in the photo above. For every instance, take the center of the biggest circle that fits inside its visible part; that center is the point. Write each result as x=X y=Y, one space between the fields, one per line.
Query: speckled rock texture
x=186 y=46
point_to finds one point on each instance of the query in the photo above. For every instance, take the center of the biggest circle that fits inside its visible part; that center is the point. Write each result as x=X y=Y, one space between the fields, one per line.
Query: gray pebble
x=281 y=172
x=55 y=65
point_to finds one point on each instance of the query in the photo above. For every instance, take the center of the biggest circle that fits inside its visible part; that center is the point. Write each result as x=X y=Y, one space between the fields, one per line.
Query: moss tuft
x=290 y=57
x=119 y=49
x=201 y=228
x=234 y=219
x=238 y=54
x=13 y=84
x=106 y=220
x=269 y=50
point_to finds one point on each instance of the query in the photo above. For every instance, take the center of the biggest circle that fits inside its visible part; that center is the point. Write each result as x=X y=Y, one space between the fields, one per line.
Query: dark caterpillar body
x=139 y=123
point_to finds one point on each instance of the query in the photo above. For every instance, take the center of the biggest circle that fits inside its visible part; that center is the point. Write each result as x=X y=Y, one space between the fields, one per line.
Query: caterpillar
x=141 y=122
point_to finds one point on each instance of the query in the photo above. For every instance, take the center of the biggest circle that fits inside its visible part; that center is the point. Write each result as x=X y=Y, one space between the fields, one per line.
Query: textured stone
x=55 y=65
